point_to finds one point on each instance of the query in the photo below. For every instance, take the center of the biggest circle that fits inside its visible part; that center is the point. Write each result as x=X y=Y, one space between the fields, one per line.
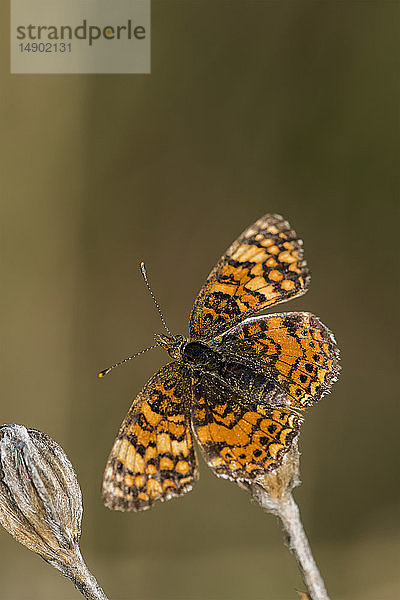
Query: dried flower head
x=275 y=486
x=41 y=502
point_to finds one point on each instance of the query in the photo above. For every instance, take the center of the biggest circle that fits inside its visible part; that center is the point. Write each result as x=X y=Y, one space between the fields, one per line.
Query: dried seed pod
x=41 y=502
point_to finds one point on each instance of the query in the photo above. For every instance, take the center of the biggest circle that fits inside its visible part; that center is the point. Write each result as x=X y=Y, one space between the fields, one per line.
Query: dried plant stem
x=83 y=580
x=287 y=510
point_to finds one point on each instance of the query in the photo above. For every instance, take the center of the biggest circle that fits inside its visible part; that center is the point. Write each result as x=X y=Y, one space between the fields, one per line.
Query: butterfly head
x=172 y=343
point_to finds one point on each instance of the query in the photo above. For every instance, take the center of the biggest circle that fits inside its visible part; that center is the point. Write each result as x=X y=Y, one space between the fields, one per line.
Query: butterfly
x=238 y=384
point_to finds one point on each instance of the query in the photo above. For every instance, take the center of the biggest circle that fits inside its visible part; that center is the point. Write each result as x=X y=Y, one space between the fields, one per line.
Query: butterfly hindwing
x=295 y=349
x=239 y=439
x=153 y=456
x=262 y=267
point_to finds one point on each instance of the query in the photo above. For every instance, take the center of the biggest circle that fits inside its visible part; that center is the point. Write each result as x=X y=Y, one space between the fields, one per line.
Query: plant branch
x=83 y=580
x=274 y=493
x=288 y=512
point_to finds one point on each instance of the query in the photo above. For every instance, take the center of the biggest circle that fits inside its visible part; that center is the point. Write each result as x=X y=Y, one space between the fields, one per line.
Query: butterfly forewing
x=262 y=267
x=153 y=456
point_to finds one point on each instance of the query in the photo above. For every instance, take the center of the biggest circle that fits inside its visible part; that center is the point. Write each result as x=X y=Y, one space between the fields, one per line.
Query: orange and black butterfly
x=237 y=384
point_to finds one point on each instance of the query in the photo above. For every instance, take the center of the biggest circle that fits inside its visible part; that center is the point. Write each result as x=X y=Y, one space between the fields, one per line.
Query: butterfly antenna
x=143 y=271
x=121 y=362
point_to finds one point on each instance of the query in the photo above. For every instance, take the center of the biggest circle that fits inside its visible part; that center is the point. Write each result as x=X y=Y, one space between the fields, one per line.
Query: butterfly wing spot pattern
x=240 y=441
x=262 y=267
x=153 y=456
x=299 y=350
x=239 y=383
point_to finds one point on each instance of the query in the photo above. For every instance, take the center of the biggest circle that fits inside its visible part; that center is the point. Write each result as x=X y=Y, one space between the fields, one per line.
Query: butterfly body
x=238 y=383
x=239 y=374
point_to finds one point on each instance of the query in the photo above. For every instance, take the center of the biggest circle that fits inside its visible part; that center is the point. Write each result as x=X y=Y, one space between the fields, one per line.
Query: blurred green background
x=256 y=107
